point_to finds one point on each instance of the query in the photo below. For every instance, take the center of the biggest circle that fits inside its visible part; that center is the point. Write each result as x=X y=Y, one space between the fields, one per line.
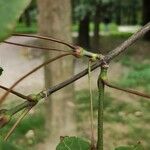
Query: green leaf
x=10 y=11
x=1 y=70
x=73 y=143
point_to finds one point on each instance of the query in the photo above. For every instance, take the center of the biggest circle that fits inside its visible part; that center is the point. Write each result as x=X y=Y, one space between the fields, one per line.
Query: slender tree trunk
x=146 y=16
x=118 y=12
x=97 y=18
x=84 y=37
x=55 y=20
x=133 y=12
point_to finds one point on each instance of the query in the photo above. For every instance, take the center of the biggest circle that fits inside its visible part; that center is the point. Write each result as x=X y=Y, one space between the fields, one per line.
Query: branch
x=47 y=38
x=16 y=93
x=107 y=58
x=121 y=48
x=112 y=54
x=38 y=47
x=126 y=90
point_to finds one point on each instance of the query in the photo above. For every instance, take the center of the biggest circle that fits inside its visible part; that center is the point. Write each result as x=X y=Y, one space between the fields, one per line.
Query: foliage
x=12 y=9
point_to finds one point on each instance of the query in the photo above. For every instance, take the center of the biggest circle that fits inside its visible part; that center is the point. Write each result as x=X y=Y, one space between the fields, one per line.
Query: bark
x=146 y=16
x=84 y=37
x=55 y=20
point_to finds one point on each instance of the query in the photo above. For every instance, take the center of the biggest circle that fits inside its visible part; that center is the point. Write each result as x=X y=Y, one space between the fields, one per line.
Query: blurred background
x=98 y=26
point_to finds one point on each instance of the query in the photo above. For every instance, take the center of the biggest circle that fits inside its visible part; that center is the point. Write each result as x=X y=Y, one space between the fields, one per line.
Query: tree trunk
x=84 y=37
x=146 y=16
x=118 y=12
x=55 y=20
x=133 y=12
x=97 y=18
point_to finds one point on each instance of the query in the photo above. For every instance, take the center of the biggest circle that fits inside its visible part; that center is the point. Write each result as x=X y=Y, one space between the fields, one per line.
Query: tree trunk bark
x=84 y=37
x=146 y=16
x=55 y=20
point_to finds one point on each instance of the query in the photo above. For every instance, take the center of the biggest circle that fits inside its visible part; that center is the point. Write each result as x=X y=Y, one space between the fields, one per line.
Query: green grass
x=138 y=75
x=124 y=122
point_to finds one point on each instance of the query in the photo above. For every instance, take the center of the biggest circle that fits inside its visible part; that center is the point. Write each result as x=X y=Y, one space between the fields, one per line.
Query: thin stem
x=46 y=38
x=25 y=112
x=36 y=47
x=101 y=91
x=29 y=73
x=126 y=90
x=91 y=106
x=100 y=115
x=16 y=93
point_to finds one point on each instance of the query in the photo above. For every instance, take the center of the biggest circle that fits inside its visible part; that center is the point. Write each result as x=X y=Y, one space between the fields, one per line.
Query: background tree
x=146 y=15
x=55 y=20
x=82 y=13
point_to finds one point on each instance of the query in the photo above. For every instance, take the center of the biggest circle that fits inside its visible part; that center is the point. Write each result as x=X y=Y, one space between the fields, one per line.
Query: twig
x=29 y=73
x=126 y=90
x=46 y=38
x=16 y=93
x=36 y=47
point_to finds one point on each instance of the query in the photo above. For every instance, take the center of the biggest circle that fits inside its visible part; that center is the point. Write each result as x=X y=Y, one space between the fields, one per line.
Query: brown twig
x=16 y=93
x=36 y=47
x=29 y=73
x=126 y=90
x=46 y=38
